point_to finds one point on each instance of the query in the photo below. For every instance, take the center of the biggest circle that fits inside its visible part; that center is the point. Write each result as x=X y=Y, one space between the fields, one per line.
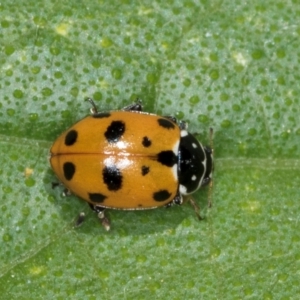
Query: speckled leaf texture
x=229 y=65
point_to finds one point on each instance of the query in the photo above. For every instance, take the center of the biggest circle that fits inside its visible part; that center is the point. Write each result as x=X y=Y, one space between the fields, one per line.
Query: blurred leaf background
x=229 y=65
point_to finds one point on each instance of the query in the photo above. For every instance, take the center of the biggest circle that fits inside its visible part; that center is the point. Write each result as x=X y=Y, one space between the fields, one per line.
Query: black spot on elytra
x=101 y=115
x=69 y=170
x=161 y=195
x=97 y=197
x=146 y=142
x=167 y=158
x=165 y=123
x=112 y=177
x=115 y=131
x=71 y=137
x=145 y=170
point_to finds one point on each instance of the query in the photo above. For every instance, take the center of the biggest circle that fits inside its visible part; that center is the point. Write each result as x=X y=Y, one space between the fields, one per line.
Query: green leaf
x=229 y=65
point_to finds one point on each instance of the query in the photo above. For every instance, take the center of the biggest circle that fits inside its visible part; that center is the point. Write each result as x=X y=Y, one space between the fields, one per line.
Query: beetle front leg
x=178 y=200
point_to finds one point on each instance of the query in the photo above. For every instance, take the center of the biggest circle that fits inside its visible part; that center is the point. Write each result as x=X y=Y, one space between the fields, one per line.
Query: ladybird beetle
x=130 y=160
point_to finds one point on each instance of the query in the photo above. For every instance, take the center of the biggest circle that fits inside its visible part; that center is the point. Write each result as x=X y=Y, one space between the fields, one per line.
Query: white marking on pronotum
x=183 y=133
x=182 y=189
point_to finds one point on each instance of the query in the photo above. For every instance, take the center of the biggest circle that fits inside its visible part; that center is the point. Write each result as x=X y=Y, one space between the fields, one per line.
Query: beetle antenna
x=196 y=208
x=211 y=138
x=211 y=133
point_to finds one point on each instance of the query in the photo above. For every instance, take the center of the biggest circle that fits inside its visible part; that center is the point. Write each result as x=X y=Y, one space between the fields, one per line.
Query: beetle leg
x=168 y=205
x=100 y=213
x=80 y=219
x=183 y=125
x=137 y=106
x=94 y=109
x=54 y=184
x=171 y=118
x=66 y=192
x=178 y=200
